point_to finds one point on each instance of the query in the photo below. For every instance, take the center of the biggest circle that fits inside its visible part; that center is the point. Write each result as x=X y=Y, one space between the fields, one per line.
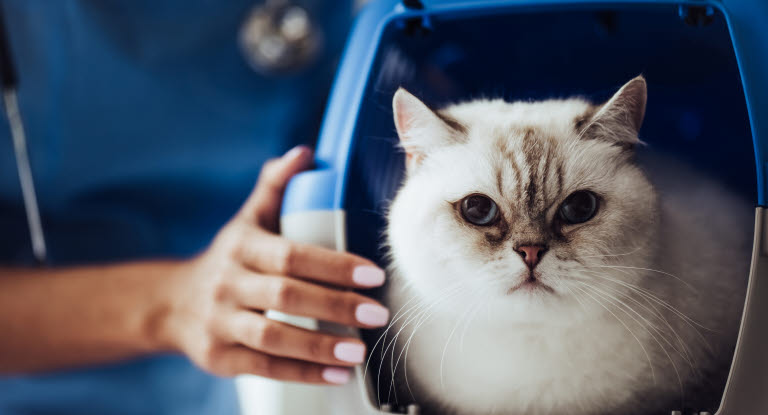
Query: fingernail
x=349 y=352
x=336 y=375
x=368 y=276
x=294 y=152
x=372 y=314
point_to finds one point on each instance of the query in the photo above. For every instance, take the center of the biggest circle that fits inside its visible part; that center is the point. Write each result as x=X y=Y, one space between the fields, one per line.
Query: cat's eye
x=479 y=210
x=579 y=207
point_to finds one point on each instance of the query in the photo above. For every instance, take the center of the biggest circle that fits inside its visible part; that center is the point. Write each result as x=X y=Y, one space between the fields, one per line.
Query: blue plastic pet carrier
x=706 y=62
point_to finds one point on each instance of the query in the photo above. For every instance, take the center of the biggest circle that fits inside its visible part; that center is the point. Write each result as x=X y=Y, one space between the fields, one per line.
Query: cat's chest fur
x=471 y=360
x=472 y=366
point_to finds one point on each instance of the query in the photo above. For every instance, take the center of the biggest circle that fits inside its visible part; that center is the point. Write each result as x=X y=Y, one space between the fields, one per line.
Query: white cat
x=538 y=270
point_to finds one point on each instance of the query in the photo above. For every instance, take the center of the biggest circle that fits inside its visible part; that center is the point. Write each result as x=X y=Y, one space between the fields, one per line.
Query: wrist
x=163 y=321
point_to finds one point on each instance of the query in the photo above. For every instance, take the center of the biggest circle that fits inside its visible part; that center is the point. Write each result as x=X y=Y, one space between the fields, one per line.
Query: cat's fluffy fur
x=644 y=299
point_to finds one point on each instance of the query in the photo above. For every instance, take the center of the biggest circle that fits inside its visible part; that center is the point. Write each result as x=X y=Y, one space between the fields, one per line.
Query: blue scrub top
x=146 y=131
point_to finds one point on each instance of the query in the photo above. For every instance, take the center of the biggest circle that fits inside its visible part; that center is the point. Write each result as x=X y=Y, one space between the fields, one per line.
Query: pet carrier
x=705 y=61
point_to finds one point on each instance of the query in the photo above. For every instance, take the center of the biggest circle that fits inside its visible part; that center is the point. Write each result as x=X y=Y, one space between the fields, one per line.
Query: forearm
x=209 y=308
x=69 y=317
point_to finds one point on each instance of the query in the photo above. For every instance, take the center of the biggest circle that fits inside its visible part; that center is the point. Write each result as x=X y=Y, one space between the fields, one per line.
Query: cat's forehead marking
x=532 y=150
x=509 y=155
x=528 y=141
x=581 y=120
x=510 y=152
x=542 y=167
x=528 y=176
x=500 y=180
x=452 y=122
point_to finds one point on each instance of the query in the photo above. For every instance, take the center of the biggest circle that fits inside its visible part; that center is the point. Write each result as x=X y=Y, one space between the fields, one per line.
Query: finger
x=263 y=206
x=272 y=254
x=302 y=298
x=257 y=332
x=241 y=360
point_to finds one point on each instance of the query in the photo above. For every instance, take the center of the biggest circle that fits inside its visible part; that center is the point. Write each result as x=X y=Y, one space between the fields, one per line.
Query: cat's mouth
x=531 y=284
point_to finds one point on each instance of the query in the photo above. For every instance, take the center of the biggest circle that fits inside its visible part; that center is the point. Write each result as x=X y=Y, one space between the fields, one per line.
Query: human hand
x=218 y=299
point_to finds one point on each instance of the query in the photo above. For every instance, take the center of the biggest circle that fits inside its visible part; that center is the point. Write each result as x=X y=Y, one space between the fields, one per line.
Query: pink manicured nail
x=349 y=352
x=372 y=314
x=336 y=375
x=368 y=276
x=295 y=152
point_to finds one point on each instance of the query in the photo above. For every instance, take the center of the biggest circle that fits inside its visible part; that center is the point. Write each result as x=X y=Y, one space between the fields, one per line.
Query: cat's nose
x=531 y=254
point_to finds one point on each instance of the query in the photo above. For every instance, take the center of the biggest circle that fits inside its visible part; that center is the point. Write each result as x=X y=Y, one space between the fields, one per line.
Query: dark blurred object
x=10 y=99
x=280 y=36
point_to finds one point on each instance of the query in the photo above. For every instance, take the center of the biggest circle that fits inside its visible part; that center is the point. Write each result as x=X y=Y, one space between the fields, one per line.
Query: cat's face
x=517 y=206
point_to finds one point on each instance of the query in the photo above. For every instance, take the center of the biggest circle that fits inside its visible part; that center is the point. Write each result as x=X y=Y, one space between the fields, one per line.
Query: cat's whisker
x=650 y=364
x=653 y=297
x=578 y=299
x=581 y=305
x=422 y=318
x=406 y=348
x=397 y=316
x=612 y=255
x=382 y=339
x=384 y=350
x=475 y=310
x=412 y=314
x=679 y=339
x=684 y=349
x=374 y=211
x=447 y=343
x=621 y=305
x=643 y=269
x=650 y=297
x=653 y=310
x=445 y=349
x=647 y=326
x=417 y=314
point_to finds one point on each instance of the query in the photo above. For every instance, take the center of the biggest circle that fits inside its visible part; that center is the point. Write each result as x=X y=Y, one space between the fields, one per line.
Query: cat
x=537 y=268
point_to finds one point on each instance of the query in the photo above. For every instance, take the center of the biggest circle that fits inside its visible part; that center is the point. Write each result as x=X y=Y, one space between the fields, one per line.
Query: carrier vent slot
x=413 y=4
x=696 y=16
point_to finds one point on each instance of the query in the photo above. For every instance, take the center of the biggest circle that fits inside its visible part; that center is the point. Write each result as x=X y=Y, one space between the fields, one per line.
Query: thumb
x=263 y=206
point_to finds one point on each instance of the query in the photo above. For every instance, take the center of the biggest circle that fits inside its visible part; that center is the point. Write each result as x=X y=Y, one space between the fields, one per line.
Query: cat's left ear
x=619 y=120
x=420 y=128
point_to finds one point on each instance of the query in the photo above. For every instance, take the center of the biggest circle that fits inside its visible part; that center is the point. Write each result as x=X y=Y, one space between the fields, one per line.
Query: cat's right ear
x=420 y=128
x=619 y=120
